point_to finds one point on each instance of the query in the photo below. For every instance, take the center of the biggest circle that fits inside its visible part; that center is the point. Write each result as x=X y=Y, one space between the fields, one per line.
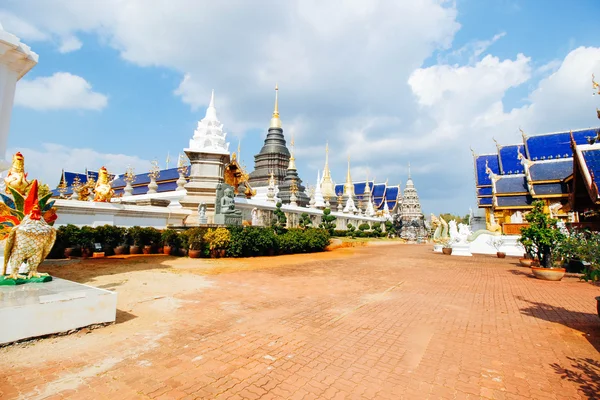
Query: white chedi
x=209 y=136
x=319 y=200
x=350 y=207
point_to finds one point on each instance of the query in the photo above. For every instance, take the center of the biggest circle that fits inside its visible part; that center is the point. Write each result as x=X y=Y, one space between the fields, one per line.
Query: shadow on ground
x=583 y=371
x=124 y=316
x=584 y=322
x=87 y=270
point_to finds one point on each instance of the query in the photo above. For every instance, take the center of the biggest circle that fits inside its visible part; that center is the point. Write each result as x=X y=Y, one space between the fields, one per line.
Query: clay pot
x=147 y=249
x=447 y=250
x=120 y=250
x=69 y=252
x=182 y=252
x=86 y=253
x=500 y=254
x=135 y=250
x=214 y=253
x=167 y=250
x=548 y=274
x=194 y=253
x=222 y=253
x=525 y=262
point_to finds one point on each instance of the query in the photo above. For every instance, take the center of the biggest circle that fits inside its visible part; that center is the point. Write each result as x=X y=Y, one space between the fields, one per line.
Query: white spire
x=319 y=200
x=209 y=136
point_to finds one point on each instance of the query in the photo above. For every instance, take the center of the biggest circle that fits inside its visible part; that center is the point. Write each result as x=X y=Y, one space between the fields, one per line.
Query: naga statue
x=440 y=234
x=103 y=189
x=29 y=239
x=17 y=177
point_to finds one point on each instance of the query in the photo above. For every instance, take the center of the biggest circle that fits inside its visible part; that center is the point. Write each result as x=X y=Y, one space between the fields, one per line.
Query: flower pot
x=69 y=252
x=214 y=253
x=120 y=250
x=182 y=252
x=194 y=253
x=135 y=250
x=86 y=253
x=167 y=250
x=525 y=262
x=598 y=305
x=500 y=254
x=548 y=274
x=447 y=250
x=222 y=253
x=147 y=249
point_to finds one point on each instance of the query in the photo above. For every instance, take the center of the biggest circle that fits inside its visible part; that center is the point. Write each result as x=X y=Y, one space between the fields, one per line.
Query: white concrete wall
x=82 y=213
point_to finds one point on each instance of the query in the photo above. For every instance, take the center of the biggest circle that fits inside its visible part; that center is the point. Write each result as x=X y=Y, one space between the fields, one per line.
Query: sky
x=387 y=83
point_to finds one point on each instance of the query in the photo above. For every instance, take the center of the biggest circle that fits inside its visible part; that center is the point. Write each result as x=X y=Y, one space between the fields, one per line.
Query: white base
x=437 y=248
x=510 y=245
x=460 y=249
x=36 y=309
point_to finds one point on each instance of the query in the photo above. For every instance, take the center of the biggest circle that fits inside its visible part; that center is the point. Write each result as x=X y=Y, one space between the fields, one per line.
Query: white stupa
x=319 y=200
x=369 y=210
x=209 y=136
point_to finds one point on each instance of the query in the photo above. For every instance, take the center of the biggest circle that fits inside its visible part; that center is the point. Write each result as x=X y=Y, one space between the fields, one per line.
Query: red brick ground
x=385 y=322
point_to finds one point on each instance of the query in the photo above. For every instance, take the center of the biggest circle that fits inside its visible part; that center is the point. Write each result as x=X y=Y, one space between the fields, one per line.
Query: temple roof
x=555 y=145
x=69 y=177
x=481 y=176
x=509 y=162
x=541 y=189
x=551 y=169
x=511 y=184
x=514 y=201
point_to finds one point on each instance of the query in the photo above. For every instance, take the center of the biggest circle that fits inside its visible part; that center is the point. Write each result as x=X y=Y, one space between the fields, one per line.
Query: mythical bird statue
x=17 y=178
x=103 y=189
x=30 y=239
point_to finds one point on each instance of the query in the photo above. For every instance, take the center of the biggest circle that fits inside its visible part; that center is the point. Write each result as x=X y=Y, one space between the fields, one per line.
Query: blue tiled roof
x=339 y=188
x=514 y=201
x=391 y=197
x=70 y=177
x=551 y=170
x=509 y=159
x=550 y=188
x=482 y=178
x=379 y=190
x=485 y=201
x=484 y=191
x=592 y=161
x=511 y=184
x=140 y=179
x=555 y=145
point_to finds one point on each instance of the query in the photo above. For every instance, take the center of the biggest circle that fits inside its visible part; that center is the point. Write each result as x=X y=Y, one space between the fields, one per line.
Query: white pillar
x=16 y=59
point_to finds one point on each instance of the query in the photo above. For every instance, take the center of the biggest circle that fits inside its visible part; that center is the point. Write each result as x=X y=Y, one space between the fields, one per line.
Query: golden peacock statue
x=26 y=225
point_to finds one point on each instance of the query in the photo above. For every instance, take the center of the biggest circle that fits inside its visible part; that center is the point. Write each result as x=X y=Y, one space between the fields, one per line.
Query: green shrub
x=328 y=221
x=195 y=238
x=135 y=236
x=86 y=237
x=169 y=237
x=305 y=221
x=279 y=220
x=251 y=241
x=339 y=233
x=150 y=236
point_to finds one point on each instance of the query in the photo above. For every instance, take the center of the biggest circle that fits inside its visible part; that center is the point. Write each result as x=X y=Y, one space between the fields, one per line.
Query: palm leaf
x=19 y=199
x=42 y=202
x=7 y=200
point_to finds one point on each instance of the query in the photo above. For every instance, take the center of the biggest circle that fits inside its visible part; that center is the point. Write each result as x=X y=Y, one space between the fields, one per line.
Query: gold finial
x=495 y=141
x=275 y=121
x=523 y=134
x=472 y=151
x=292 y=164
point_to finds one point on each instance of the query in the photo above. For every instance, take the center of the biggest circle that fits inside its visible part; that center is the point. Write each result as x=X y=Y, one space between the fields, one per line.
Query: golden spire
x=348 y=186
x=292 y=164
x=275 y=121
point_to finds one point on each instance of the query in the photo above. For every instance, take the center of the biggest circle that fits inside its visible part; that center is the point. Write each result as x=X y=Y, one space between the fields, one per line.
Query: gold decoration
x=275 y=121
x=103 y=188
x=234 y=175
x=154 y=170
x=595 y=86
x=129 y=175
x=17 y=178
x=62 y=186
x=182 y=164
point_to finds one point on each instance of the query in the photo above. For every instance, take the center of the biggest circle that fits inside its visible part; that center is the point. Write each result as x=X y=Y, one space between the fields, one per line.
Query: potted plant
x=182 y=244
x=447 y=247
x=496 y=243
x=196 y=242
x=169 y=239
x=86 y=238
x=528 y=257
x=543 y=236
x=218 y=240
x=70 y=236
x=124 y=241
x=136 y=239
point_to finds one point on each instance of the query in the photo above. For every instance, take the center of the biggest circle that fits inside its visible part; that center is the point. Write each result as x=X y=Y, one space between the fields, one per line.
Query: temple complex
x=559 y=168
x=292 y=184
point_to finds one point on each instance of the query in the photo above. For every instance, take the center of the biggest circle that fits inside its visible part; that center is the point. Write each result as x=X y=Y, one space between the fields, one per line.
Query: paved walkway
x=384 y=322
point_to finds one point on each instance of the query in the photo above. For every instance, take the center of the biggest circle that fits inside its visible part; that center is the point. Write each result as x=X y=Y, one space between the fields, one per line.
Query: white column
x=16 y=59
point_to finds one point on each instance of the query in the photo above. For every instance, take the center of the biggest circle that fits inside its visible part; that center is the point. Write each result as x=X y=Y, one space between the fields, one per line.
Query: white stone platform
x=461 y=249
x=36 y=309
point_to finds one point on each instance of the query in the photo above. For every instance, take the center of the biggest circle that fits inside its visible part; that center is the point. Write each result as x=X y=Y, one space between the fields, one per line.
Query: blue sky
x=386 y=82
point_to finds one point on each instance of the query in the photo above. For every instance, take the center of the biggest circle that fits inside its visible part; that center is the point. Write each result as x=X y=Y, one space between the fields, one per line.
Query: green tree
x=328 y=221
x=305 y=221
x=279 y=221
x=542 y=234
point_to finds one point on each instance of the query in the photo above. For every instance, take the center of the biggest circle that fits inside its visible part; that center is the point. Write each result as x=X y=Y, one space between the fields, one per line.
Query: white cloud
x=46 y=162
x=69 y=44
x=23 y=29
x=59 y=91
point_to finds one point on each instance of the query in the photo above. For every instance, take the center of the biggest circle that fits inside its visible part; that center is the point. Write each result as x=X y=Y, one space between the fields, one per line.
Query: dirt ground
x=387 y=321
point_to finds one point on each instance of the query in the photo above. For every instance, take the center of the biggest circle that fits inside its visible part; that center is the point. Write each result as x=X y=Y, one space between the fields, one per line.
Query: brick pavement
x=388 y=322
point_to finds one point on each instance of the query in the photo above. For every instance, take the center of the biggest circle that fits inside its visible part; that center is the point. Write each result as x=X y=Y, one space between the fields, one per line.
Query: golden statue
x=235 y=176
x=103 y=189
x=17 y=178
